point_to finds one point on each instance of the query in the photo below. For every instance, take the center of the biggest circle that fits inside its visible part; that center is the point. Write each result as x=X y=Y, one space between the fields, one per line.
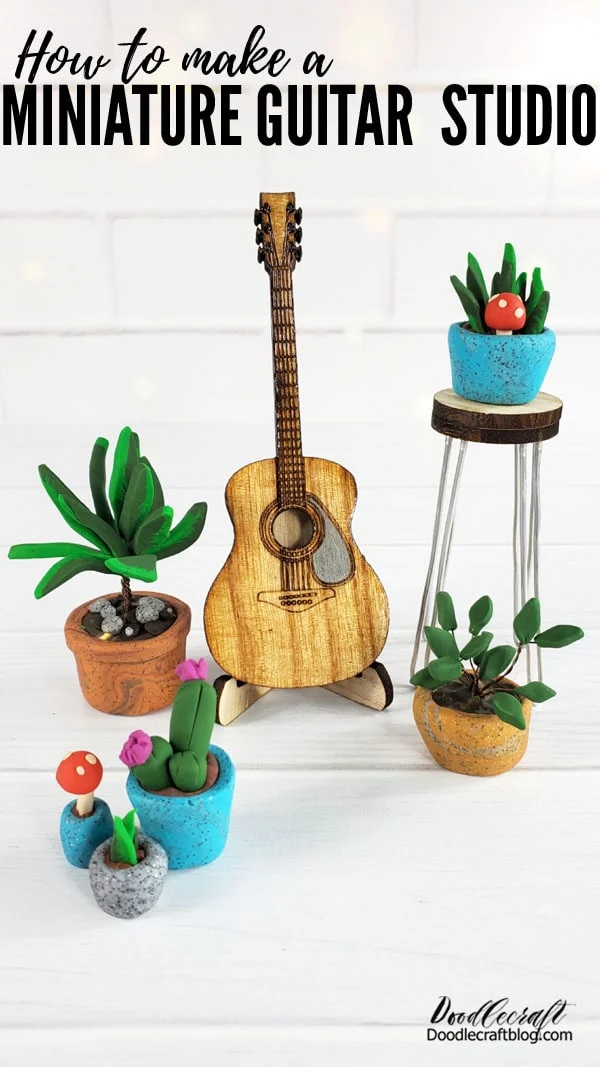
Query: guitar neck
x=291 y=486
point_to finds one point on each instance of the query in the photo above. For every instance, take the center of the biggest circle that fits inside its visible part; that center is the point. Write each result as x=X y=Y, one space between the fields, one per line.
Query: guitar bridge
x=295 y=600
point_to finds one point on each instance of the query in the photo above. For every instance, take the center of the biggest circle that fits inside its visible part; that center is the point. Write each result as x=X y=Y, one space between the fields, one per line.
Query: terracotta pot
x=479 y=744
x=129 y=677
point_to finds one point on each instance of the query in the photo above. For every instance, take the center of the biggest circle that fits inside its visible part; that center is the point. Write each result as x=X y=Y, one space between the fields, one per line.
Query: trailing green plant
x=130 y=527
x=474 y=296
x=180 y=762
x=123 y=847
x=474 y=678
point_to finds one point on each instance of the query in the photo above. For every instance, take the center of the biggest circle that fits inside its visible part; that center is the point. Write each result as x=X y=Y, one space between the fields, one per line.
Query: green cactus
x=181 y=762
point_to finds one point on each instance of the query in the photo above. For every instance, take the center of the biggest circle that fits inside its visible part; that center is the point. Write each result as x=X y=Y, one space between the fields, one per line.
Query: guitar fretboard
x=291 y=486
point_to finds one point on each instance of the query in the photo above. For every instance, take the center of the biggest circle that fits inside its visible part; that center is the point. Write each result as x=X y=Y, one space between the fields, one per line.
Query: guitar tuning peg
x=258 y=216
x=298 y=235
x=298 y=215
x=289 y=207
x=258 y=236
x=260 y=255
x=298 y=253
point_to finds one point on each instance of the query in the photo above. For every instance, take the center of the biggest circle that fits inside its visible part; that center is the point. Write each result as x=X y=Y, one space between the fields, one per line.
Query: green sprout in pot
x=128 y=529
x=475 y=677
x=127 y=872
x=506 y=307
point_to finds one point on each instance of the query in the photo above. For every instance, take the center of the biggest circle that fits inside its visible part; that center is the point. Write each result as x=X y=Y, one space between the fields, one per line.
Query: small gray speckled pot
x=127 y=892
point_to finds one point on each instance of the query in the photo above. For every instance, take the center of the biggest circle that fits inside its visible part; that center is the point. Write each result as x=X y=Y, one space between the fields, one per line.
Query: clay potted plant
x=183 y=788
x=126 y=645
x=127 y=871
x=472 y=716
x=85 y=821
x=502 y=353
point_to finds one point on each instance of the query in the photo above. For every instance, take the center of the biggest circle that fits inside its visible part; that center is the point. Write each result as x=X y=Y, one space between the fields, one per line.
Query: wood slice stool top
x=514 y=424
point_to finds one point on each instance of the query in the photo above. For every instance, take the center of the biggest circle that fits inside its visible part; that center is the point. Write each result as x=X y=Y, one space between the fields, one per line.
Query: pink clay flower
x=190 y=671
x=137 y=749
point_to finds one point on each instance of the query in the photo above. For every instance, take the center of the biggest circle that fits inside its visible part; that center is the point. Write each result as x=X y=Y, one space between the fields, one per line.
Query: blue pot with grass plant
x=182 y=789
x=502 y=354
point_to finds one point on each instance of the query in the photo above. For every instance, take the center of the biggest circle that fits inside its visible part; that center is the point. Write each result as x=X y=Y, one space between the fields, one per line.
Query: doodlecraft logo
x=497 y=1020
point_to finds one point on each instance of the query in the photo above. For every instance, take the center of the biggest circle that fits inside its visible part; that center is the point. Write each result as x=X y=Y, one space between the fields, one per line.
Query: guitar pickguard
x=332 y=562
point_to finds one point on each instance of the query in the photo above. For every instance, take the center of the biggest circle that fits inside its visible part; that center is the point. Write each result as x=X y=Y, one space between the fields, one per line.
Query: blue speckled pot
x=81 y=837
x=191 y=829
x=499 y=368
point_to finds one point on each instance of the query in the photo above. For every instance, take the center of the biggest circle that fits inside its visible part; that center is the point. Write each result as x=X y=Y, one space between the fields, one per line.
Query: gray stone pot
x=129 y=891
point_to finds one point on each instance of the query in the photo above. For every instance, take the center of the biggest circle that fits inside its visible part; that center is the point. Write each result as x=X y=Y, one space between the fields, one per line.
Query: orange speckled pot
x=130 y=678
x=467 y=743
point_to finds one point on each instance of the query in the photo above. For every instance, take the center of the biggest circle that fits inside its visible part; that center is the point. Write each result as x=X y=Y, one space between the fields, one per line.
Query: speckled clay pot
x=79 y=836
x=133 y=677
x=192 y=828
x=127 y=892
x=467 y=743
x=496 y=368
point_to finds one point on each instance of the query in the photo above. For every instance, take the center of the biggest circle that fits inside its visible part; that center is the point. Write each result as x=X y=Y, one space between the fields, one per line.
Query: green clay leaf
x=480 y=614
x=54 y=549
x=521 y=286
x=508 y=273
x=509 y=709
x=469 y=303
x=496 y=661
x=98 y=480
x=58 y=492
x=537 y=288
x=536 y=691
x=446 y=669
x=129 y=823
x=65 y=569
x=126 y=457
x=82 y=515
x=153 y=531
x=445 y=611
x=496 y=287
x=122 y=849
x=441 y=642
x=559 y=636
x=138 y=502
x=477 y=645
x=527 y=622
x=186 y=533
x=423 y=678
x=536 y=320
x=476 y=281
x=159 y=497
x=142 y=568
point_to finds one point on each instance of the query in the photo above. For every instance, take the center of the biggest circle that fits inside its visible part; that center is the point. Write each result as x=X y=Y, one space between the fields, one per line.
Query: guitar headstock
x=278 y=233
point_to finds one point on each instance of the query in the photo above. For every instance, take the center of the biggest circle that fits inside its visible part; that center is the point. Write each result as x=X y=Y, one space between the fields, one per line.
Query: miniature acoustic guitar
x=296 y=604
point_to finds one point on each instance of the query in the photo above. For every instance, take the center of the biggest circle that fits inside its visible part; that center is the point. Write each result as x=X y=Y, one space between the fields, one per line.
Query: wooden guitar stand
x=372 y=688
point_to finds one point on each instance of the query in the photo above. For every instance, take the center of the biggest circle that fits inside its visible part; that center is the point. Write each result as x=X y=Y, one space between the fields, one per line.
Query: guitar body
x=296 y=604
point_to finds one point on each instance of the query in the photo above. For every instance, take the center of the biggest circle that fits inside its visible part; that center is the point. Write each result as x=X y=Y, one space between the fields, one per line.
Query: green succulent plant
x=474 y=678
x=181 y=761
x=130 y=527
x=474 y=295
x=123 y=846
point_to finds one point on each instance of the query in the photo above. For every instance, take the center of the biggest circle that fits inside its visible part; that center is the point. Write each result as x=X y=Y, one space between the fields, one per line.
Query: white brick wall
x=129 y=288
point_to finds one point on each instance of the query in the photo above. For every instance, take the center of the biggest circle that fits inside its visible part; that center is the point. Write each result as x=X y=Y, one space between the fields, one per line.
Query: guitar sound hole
x=293 y=528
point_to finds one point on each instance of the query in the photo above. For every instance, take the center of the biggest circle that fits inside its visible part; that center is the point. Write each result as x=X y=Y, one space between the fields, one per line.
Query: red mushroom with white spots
x=80 y=773
x=505 y=313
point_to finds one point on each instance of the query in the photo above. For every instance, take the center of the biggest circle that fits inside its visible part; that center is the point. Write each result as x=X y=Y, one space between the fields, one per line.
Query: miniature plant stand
x=372 y=688
x=525 y=427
